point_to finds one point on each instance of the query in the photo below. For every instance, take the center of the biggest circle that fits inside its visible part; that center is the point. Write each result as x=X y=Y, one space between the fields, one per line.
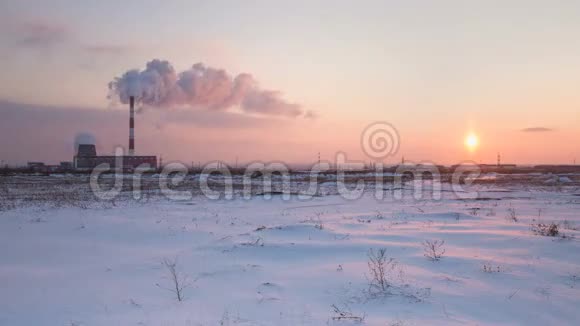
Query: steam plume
x=84 y=138
x=160 y=85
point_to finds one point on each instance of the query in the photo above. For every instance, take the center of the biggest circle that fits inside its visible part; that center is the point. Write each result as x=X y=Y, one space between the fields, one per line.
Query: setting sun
x=471 y=142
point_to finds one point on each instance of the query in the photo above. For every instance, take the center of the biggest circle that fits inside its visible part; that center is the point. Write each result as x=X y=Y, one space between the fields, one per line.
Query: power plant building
x=86 y=157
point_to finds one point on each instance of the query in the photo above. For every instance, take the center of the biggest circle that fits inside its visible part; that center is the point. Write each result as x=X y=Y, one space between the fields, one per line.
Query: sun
x=471 y=142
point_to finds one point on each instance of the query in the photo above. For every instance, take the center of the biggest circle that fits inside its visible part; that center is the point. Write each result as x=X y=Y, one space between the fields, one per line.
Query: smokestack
x=132 y=126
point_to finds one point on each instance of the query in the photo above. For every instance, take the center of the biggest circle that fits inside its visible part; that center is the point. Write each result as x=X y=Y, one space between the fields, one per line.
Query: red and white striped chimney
x=132 y=126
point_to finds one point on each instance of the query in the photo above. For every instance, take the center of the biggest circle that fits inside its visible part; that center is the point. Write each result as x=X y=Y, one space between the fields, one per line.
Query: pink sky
x=436 y=71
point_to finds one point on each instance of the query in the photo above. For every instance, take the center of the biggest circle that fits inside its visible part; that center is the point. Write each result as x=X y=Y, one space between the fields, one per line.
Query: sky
x=321 y=71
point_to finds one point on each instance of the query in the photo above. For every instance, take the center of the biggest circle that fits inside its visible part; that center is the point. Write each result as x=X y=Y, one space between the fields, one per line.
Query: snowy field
x=297 y=262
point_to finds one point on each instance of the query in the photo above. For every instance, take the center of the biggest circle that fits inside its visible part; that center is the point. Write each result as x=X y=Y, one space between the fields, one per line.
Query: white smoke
x=160 y=85
x=84 y=138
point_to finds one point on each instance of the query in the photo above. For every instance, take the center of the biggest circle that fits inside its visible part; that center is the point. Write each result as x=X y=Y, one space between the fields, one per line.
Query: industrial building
x=41 y=167
x=86 y=157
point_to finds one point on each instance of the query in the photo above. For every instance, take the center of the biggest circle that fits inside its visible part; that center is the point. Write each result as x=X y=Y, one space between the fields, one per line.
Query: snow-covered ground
x=275 y=262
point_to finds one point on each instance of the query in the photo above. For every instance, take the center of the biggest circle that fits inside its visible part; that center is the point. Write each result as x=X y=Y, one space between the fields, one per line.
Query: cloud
x=537 y=129
x=160 y=86
x=113 y=49
x=40 y=33
x=313 y=115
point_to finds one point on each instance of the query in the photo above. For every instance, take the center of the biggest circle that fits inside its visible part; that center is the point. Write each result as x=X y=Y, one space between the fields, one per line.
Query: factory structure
x=86 y=157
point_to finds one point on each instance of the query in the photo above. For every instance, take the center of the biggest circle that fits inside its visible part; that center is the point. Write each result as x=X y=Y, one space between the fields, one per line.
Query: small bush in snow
x=573 y=279
x=546 y=230
x=346 y=315
x=225 y=321
x=473 y=211
x=316 y=221
x=433 y=249
x=319 y=225
x=490 y=268
x=380 y=268
x=512 y=214
x=179 y=282
x=259 y=242
x=397 y=322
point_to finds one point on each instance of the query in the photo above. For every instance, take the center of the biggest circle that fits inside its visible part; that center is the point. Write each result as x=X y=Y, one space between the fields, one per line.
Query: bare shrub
x=346 y=314
x=259 y=242
x=229 y=319
x=491 y=268
x=473 y=211
x=318 y=221
x=225 y=319
x=433 y=249
x=315 y=221
x=397 y=322
x=260 y=228
x=318 y=224
x=546 y=230
x=179 y=281
x=512 y=214
x=573 y=279
x=380 y=268
x=387 y=278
